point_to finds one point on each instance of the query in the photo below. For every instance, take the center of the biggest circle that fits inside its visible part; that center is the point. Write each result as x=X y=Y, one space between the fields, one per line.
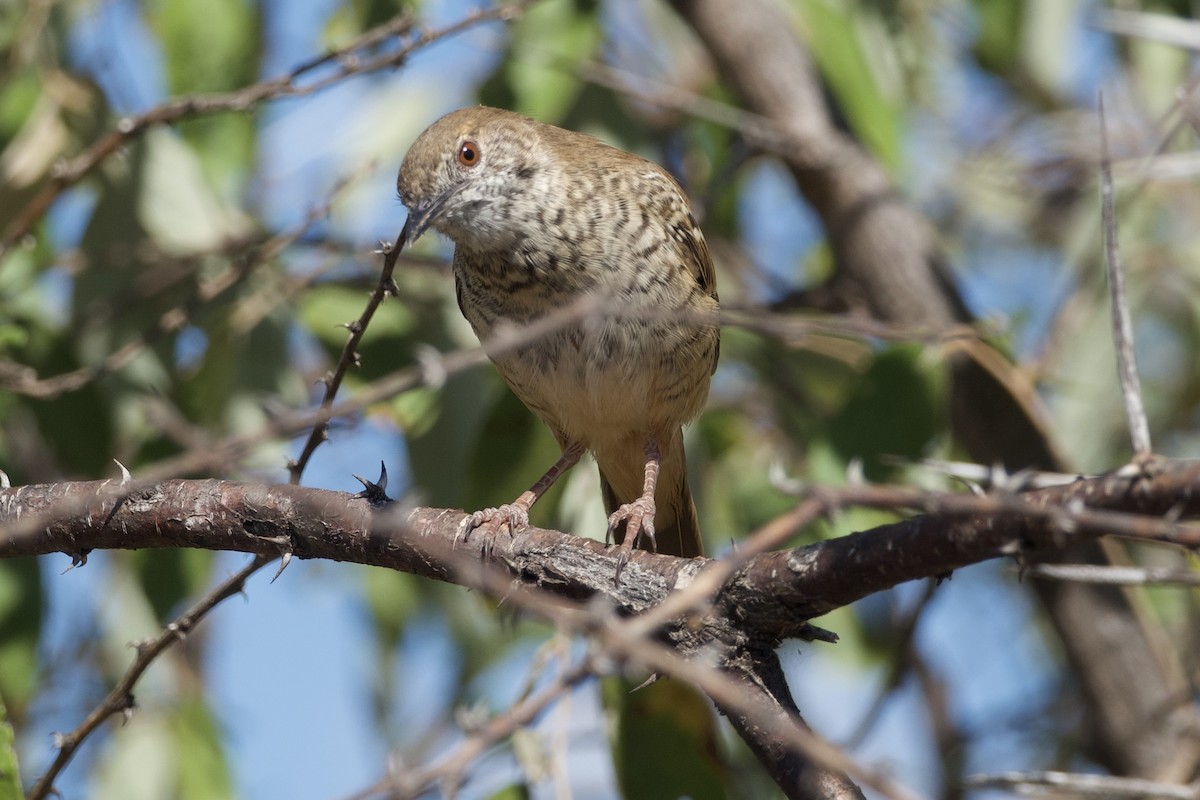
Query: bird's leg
x=638 y=516
x=515 y=515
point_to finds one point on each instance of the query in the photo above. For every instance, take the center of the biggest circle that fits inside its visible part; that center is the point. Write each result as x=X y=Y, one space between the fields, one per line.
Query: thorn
x=375 y=492
x=58 y=739
x=125 y=476
x=391 y=288
x=128 y=708
x=77 y=560
x=782 y=482
x=654 y=676
x=384 y=248
x=811 y=633
x=353 y=327
x=997 y=476
x=284 y=560
x=5 y=483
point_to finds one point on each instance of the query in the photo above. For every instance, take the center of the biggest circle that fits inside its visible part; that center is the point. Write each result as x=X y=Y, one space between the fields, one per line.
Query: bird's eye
x=468 y=153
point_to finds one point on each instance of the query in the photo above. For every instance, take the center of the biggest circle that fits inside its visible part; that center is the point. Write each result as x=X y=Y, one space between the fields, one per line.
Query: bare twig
x=1131 y=390
x=120 y=699
x=1116 y=576
x=1095 y=787
x=448 y=771
x=383 y=289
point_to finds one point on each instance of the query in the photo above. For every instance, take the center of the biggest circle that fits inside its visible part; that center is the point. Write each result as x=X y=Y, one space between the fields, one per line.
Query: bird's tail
x=676 y=526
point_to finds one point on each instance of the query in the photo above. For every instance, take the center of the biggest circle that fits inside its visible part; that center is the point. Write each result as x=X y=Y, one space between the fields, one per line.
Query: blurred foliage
x=980 y=110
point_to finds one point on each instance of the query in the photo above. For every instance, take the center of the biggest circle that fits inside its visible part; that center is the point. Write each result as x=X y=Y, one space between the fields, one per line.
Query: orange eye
x=468 y=154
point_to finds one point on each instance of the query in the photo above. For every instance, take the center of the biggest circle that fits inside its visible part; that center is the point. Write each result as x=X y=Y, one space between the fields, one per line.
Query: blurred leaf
x=353 y=17
x=392 y=599
x=837 y=47
x=512 y=451
x=517 y=791
x=209 y=46
x=416 y=411
x=20 y=624
x=176 y=204
x=999 y=38
x=441 y=454
x=140 y=761
x=203 y=772
x=545 y=45
x=169 y=577
x=10 y=774
x=893 y=411
x=666 y=742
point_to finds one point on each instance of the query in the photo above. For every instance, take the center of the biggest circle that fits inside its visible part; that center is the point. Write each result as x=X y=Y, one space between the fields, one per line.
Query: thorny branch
x=383 y=289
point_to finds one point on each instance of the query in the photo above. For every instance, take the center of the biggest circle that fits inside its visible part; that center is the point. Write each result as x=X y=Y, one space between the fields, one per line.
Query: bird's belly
x=606 y=382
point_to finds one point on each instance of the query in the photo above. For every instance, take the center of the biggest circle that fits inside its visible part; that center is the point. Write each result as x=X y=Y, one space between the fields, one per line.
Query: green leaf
x=170 y=576
x=893 y=411
x=512 y=451
x=666 y=741
x=837 y=44
x=203 y=772
x=210 y=46
x=10 y=775
x=20 y=622
x=546 y=44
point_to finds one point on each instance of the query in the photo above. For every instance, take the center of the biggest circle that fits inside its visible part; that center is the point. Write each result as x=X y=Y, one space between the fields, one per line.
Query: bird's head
x=465 y=172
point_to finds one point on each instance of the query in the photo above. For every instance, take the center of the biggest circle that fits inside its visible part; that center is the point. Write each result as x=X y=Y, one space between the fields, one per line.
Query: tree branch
x=730 y=612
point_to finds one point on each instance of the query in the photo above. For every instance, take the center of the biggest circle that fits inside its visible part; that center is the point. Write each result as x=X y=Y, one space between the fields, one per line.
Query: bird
x=541 y=217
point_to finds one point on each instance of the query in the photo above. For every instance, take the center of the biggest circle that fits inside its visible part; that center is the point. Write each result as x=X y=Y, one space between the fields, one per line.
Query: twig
x=120 y=699
x=449 y=769
x=1131 y=390
x=1098 y=787
x=1115 y=576
x=333 y=381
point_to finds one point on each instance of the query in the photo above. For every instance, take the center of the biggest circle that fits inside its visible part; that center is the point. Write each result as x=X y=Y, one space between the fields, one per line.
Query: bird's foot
x=638 y=519
x=490 y=522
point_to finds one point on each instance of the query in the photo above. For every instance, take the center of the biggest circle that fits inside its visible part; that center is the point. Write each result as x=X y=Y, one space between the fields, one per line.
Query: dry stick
x=120 y=699
x=1131 y=390
x=288 y=85
x=1115 y=576
x=1098 y=787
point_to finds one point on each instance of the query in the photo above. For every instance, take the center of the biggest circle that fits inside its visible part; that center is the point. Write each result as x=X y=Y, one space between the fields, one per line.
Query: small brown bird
x=540 y=217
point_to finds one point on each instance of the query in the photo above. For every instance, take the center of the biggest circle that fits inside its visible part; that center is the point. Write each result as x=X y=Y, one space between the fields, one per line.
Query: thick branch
x=767 y=598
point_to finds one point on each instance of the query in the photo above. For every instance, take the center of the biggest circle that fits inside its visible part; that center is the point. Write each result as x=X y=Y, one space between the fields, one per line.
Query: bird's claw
x=490 y=522
x=638 y=519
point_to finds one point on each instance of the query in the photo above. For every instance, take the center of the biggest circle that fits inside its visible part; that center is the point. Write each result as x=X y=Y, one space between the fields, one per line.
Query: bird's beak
x=424 y=214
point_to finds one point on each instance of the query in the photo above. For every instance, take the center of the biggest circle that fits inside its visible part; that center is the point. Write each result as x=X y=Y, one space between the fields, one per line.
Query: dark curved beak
x=424 y=214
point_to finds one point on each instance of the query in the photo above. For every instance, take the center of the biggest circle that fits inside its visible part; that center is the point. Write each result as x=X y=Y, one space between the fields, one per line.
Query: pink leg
x=638 y=516
x=515 y=515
